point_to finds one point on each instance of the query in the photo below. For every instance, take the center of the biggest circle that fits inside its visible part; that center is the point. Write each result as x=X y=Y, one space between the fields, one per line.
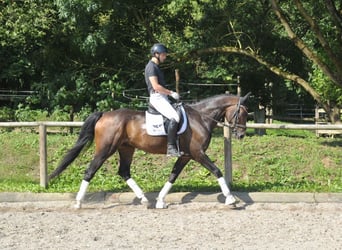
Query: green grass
x=281 y=161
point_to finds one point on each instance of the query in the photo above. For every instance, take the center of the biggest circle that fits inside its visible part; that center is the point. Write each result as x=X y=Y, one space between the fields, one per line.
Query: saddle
x=157 y=124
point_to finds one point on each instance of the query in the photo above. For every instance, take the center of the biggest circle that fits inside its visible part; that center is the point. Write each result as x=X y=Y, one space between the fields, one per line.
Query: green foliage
x=79 y=54
x=327 y=90
x=24 y=26
x=6 y=114
x=25 y=114
x=59 y=115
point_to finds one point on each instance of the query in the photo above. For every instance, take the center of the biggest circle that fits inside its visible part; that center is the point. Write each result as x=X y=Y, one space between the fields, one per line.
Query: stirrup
x=172 y=151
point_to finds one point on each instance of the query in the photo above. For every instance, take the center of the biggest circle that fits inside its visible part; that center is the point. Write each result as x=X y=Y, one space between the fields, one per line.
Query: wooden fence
x=42 y=126
x=42 y=141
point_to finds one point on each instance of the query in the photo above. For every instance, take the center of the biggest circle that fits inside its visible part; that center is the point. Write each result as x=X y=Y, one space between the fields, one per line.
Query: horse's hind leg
x=94 y=165
x=126 y=156
x=177 y=169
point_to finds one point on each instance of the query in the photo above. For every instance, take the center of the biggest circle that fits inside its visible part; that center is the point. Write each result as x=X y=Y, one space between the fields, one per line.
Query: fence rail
x=296 y=126
x=10 y=95
x=228 y=165
x=37 y=124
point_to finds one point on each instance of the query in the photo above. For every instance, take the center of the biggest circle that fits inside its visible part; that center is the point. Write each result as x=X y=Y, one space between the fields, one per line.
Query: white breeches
x=163 y=106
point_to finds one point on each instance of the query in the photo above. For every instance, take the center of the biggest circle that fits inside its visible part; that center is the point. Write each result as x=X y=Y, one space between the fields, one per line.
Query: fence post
x=238 y=91
x=260 y=117
x=177 y=79
x=316 y=119
x=42 y=156
x=228 y=168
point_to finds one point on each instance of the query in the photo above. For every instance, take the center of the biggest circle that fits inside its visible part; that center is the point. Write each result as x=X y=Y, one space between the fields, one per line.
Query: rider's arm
x=157 y=87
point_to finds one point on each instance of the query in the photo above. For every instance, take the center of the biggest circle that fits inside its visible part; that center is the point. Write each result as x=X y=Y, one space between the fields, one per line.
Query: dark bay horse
x=123 y=130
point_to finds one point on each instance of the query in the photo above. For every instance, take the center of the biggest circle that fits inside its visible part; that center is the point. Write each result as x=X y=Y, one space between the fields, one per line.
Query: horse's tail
x=86 y=136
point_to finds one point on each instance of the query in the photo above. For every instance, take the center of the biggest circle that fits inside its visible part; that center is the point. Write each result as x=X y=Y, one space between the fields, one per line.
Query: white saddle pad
x=155 y=124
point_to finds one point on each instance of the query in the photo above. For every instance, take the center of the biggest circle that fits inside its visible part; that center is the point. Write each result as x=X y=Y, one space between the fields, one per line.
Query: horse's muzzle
x=239 y=136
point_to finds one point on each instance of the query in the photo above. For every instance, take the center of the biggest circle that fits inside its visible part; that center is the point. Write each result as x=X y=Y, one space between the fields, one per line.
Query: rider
x=158 y=92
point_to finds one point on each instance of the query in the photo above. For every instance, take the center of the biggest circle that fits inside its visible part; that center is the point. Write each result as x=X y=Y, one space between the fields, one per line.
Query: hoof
x=78 y=205
x=230 y=200
x=144 y=200
x=161 y=205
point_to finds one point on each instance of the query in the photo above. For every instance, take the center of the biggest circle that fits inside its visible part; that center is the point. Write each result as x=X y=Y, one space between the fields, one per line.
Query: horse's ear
x=243 y=99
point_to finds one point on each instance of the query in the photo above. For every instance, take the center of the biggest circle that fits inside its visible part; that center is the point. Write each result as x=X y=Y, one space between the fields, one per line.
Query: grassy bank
x=281 y=161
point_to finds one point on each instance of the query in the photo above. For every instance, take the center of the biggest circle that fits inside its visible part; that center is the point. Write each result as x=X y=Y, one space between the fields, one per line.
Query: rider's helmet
x=158 y=48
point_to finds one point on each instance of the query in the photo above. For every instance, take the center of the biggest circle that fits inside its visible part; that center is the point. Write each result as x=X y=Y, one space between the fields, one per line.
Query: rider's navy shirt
x=152 y=69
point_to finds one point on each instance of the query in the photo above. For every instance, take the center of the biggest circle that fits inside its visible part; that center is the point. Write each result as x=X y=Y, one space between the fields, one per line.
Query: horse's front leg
x=177 y=169
x=208 y=164
x=230 y=200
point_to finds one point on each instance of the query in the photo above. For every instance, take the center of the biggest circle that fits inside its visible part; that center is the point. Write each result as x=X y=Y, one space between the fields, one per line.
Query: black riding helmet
x=158 y=48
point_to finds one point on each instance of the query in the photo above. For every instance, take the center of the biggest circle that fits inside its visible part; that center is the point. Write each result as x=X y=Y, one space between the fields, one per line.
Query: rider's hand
x=175 y=95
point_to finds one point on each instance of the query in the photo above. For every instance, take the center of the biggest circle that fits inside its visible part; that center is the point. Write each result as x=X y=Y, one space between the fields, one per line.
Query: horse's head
x=236 y=115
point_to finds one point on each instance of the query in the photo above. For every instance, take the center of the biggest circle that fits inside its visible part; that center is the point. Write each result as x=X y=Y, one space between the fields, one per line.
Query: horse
x=124 y=130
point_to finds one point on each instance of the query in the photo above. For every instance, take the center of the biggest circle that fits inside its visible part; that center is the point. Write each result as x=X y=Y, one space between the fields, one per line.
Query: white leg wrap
x=81 y=193
x=223 y=185
x=83 y=189
x=230 y=200
x=226 y=192
x=165 y=190
x=136 y=189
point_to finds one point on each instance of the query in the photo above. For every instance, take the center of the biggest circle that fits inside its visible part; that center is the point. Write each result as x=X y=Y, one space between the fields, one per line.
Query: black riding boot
x=172 y=138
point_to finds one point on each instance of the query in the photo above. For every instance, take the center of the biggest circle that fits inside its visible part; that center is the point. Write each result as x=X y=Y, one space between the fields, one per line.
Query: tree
x=24 y=25
x=299 y=53
x=79 y=53
x=98 y=52
x=322 y=46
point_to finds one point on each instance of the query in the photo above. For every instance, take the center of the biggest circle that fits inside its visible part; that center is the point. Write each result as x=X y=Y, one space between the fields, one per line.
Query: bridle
x=233 y=122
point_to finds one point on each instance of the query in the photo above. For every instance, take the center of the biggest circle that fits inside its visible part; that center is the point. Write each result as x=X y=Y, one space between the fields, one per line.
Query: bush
x=25 y=114
x=6 y=114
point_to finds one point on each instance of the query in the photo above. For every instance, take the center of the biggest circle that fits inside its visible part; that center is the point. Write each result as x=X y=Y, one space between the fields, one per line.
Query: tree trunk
x=335 y=115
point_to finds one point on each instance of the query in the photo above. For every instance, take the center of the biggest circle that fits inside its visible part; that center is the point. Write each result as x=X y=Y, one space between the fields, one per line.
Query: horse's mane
x=207 y=101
